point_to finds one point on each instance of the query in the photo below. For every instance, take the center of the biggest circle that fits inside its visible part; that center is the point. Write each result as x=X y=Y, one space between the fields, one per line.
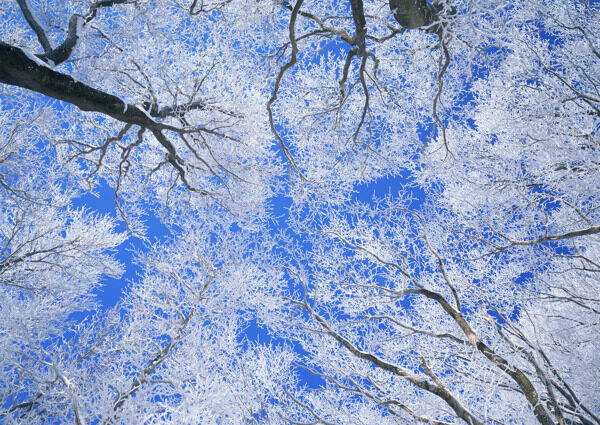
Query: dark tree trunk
x=414 y=14
x=19 y=69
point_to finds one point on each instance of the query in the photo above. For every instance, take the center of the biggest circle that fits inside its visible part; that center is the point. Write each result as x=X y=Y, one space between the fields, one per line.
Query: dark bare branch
x=35 y=25
x=18 y=68
x=284 y=68
x=360 y=25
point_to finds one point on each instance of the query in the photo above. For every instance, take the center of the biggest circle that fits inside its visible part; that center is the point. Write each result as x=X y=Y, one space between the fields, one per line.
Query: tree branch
x=284 y=68
x=63 y=52
x=413 y=14
x=35 y=26
x=360 y=25
x=160 y=356
x=435 y=389
x=18 y=68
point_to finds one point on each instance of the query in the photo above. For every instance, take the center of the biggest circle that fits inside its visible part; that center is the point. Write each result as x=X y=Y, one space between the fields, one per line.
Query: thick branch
x=575 y=234
x=18 y=68
x=413 y=14
x=360 y=25
x=515 y=373
x=103 y=3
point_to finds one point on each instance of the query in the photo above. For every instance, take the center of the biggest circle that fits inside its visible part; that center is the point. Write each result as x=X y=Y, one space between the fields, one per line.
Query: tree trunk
x=413 y=14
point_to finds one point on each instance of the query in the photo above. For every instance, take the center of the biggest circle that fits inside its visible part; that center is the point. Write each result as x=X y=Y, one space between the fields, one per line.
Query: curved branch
x=513 y=372
x=35 y=25
x=438 y=95
x=63 y=52
x=435 y=388
x=284 y=68
x=91 y=14
x=19 y=68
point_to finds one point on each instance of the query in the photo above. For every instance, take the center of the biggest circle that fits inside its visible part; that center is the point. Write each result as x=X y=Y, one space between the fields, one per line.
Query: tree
x=52 y=259
x=465 y=290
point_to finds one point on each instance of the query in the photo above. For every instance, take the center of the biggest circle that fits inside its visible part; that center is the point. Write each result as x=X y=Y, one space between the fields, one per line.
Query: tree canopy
x=341 y=212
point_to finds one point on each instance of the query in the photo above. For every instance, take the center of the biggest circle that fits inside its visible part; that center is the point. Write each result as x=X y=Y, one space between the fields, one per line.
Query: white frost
x=35 y=58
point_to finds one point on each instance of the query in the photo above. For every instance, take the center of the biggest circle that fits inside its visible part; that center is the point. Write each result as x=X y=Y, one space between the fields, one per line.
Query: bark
x=19 y=69
x=61 y=53
x=360 y=25
x=35 y=25
x=413 y=14
x=420 y=14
